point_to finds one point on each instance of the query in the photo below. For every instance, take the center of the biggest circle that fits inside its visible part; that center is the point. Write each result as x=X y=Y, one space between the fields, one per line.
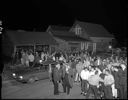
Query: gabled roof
x=25 y=37
x=68 y=36
x=72 y=38
x=63 y=33
x=58 y=28
x=94 y=30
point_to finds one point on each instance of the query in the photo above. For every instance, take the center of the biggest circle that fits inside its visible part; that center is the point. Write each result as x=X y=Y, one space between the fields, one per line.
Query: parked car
x=31 y=74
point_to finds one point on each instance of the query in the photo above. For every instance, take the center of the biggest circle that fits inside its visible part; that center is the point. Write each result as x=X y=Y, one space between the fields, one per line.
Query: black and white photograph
x=63 y=49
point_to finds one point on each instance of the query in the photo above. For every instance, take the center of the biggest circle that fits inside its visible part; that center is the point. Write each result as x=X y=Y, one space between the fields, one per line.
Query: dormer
x=78 y=30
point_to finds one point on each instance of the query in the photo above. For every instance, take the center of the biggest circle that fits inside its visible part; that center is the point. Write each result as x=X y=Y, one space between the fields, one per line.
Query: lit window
x=78 y=30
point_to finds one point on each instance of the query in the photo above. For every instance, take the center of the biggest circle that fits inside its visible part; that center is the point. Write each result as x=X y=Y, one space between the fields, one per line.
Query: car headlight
x=40 y=61
x=21 y=77
x=14 y=74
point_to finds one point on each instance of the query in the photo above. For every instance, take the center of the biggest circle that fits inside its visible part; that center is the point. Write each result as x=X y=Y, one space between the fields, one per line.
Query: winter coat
x=56 y=74
x=70 y=77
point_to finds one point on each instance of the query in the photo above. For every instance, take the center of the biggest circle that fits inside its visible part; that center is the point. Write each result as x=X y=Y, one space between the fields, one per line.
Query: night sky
x=39 y=14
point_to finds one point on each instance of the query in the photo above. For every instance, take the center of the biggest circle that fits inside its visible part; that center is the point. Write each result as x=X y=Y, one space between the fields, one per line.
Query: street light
x=110 y=47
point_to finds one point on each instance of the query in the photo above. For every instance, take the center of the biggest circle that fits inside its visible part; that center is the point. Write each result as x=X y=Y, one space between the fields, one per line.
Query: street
x=42 y=89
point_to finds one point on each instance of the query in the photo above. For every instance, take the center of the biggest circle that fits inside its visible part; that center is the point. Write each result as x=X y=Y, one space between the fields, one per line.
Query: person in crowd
x=26 y=59
x=67 y=78
x=84 y=83
x=115 y=86
x=53 y=57
x=42 y=56
x=16 y=58
x=91 y=70
x=122 y=73
x=61 y=58
x=108 y=81
x=73 y=66
x=63 y=76
x=46 y=56
x=19 y=53
x=93 y=84
x=79 y=68
x=98 y=69
x=101 y=84
x=50 y=72
x=31 y=59
x=37 y=59
x=86 y=62
x=98 y=61
x=57 y=55
x=56 y=78
x=23 y=58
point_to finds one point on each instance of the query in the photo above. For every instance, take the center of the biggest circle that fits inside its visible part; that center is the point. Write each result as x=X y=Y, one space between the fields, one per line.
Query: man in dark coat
x=122 y=83
x=73 y=66
x=116 y=78
x=67 y=78
x=56 y=78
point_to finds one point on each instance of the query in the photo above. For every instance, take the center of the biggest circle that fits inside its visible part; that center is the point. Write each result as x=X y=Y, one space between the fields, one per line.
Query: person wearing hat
x=67 y=75
x=56 y=78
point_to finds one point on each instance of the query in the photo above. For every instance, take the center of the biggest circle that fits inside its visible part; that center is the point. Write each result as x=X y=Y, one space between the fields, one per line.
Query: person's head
x=107 y=72
x=36 y=53
x=96 y=68
x=89 y=67
x=123 y=66
x=96 y=72
x=58 y=65
x=92 y=68
x=57 y=59
x=79 y=60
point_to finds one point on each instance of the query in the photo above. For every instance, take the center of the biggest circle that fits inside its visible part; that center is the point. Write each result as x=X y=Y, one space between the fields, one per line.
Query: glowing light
x=40 y=61
x=110 y=47
x=14 y=74
x=21 y=77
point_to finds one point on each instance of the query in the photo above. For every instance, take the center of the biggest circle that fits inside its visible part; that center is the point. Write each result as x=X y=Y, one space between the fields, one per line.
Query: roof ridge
x=88 y=23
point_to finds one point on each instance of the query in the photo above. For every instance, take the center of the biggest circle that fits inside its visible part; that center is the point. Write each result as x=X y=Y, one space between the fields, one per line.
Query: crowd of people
x=104 y=77
x=28 y=58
